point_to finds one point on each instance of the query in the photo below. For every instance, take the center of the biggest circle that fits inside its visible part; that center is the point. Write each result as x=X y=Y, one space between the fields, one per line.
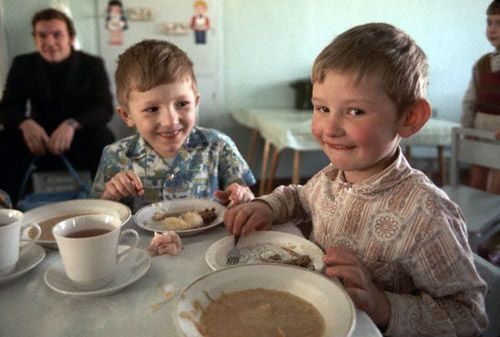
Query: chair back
x=473 y=146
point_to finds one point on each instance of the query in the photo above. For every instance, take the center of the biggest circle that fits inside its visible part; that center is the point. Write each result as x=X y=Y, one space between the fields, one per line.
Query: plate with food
x=184 y=216
x=267 y=247
x=264 y=300
x=48 y=215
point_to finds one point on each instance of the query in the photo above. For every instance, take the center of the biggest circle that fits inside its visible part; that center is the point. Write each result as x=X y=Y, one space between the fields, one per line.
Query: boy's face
x=356 y=124
x=493 y=30
x=164 y=116
x=52 y=40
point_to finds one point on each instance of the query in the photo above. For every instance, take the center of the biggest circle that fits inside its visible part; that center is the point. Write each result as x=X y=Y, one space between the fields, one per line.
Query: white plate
x=28 y=260
x=144 y=217
x=87 y=206
x=133 y=266
x=327 y=296
x=216 y=253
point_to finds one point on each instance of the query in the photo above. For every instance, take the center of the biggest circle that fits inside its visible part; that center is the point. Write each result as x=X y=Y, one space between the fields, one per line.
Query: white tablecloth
x=29 y=308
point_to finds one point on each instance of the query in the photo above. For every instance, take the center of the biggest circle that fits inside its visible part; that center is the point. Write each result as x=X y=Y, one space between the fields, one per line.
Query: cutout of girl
x=200 y=22
x=116 y=22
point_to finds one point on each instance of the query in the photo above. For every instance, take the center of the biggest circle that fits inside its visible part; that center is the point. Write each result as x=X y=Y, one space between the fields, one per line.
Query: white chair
x=491 y=274
x=481 y=209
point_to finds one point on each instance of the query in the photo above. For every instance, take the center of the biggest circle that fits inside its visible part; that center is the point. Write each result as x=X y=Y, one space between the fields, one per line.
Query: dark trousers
x=15 y=157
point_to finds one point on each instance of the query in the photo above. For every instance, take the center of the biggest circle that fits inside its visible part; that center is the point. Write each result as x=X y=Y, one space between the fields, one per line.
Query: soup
x=46 y=226
x=261 y=313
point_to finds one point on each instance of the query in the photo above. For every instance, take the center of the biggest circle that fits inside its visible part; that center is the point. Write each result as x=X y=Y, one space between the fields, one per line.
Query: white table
x=289 y=128
x=29 y=308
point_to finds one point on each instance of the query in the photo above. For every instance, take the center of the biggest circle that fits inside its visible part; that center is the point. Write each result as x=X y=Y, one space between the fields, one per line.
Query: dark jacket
x=85 y=95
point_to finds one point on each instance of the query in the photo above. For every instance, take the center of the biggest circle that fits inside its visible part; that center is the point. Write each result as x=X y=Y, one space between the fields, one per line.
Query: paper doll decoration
x=200 y=22
x=116 y=22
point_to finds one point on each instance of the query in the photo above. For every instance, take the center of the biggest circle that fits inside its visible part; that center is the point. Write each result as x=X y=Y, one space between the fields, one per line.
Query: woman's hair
x=378 y=49
x=148 y=64
x=52 y=14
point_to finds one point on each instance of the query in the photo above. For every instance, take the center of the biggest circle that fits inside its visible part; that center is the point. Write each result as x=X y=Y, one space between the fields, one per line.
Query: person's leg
x=493 y=185
x=478 y=177
x=14 y=162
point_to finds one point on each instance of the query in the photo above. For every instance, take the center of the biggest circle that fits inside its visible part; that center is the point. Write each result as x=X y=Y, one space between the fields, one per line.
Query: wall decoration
x=200 y=22
x=176 y=28
x=116 y=22
x=139 y=14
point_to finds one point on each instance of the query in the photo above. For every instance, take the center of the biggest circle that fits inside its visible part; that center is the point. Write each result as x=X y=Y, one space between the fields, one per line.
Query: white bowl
x=326 y=295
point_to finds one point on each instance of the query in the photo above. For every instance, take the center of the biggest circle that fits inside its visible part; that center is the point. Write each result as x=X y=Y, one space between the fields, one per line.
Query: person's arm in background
x=13 y=109
x=468 y=103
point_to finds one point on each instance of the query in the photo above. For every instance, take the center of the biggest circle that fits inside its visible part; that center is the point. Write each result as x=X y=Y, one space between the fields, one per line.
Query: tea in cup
x=89 y=248
x=11 y=234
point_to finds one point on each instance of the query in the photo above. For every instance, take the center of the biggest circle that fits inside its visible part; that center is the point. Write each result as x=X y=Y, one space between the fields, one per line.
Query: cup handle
x=135 y=235
x=26 y=228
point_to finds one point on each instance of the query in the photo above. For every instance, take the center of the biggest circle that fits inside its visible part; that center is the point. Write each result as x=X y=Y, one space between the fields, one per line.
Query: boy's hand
x=246 y=218
x=343 y=263
x=123 y=184
x=234 y=194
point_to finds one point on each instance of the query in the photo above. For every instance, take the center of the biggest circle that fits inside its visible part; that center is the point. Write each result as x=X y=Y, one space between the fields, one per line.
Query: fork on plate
x=234 y=255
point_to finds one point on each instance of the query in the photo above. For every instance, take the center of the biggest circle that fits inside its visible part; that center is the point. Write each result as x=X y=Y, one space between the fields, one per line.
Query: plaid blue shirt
x=209 y=160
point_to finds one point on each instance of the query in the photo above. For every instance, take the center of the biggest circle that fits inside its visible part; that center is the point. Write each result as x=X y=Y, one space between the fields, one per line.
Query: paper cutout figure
x=200 y=22
x=116 y=22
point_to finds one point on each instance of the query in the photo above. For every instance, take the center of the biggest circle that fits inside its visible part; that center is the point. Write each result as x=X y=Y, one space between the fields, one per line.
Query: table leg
x=442 y=164
x=272 y=171
x=263 y=172
x=251 y=148
x=296 y=165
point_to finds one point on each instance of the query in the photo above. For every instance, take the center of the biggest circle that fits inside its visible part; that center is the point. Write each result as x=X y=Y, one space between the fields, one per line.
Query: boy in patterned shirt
x=395 y=239
x=169 y=157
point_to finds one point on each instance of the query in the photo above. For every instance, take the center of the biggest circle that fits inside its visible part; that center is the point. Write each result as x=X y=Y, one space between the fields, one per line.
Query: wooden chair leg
x=251 y=148
x=442 y=164
x=263 y=172
x=272 y=171
x=296 y=166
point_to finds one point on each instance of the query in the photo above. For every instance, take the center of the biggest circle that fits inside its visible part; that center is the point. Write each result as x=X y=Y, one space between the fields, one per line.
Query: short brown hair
x=53 y=14
x=493 y=8
x=148 y=64
x=382 y=49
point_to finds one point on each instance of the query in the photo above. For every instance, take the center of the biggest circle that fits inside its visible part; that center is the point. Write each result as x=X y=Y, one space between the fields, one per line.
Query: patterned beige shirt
x=409 y=235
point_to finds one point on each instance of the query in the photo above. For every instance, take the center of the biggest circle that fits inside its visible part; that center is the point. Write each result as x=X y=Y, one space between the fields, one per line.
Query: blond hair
x=378 y=49
x=148 y=64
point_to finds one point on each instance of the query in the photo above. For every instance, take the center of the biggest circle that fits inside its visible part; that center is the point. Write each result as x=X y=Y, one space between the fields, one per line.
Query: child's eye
x=182 y=104
x=321 y=109
x=151 y=109
x=354 y=112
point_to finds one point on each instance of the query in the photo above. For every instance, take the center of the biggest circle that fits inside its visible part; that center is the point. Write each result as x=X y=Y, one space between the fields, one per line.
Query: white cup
x=91 y=261
x=10 y=237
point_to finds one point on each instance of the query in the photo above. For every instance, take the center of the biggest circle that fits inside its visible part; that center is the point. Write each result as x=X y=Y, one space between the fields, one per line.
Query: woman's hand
x=234 y=194
x=343 y=263
x=246 y=218
x=123 y=184
x=61 y=139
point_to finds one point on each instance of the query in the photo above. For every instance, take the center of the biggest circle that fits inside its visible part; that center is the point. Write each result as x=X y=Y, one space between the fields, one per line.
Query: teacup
x=11 y=233
x=89 y=248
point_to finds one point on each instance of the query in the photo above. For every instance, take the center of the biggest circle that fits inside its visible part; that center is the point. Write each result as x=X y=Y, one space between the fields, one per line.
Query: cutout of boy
x=481 y=103
x=169 y=157
x=395 y=239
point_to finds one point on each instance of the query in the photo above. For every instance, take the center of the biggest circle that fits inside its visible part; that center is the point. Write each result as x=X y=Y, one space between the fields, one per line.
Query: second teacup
x=89 y=248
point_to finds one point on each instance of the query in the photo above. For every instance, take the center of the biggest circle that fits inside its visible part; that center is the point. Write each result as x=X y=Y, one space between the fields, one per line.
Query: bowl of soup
x=48 y=216
x=264 y=300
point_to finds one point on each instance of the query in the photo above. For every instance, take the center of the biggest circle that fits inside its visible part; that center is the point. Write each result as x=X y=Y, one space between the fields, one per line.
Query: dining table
x=146 y=307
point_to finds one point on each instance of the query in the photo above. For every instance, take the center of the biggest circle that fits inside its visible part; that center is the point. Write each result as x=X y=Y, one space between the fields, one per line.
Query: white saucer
x=27 y=260
x=133 y=266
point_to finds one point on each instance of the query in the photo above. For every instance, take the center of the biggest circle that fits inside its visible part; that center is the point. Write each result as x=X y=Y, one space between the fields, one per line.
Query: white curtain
x=4 y=64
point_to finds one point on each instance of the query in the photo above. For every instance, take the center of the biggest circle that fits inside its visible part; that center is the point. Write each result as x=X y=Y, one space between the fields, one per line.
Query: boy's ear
x=125 y=116
x=415 y=118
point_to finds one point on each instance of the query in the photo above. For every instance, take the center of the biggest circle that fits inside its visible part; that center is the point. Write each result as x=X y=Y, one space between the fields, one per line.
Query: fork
x=234 y=255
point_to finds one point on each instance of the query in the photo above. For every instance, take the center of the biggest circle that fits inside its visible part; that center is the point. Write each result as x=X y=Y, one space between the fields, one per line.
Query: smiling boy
x=395 y=239
x=169 y=157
